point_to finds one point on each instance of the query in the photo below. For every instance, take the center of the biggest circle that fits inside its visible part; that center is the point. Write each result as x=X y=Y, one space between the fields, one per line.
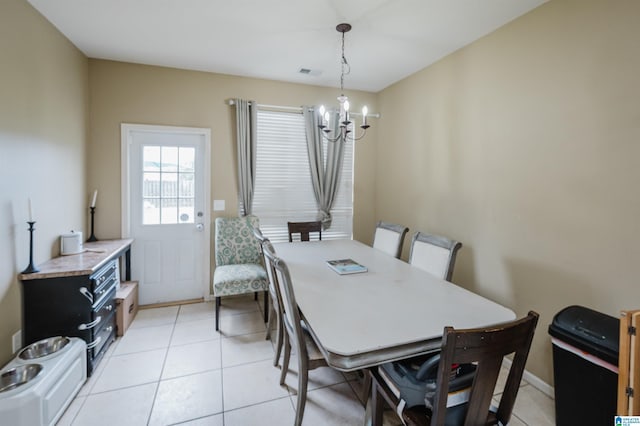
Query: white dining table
x=392 y=311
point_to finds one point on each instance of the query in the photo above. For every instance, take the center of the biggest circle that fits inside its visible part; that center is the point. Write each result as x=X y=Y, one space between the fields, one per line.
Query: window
x=283 y=190
x=168 y=185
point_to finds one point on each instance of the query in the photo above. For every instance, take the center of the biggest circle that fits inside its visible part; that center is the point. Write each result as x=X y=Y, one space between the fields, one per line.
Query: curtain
x=325 y=176
x=246 y=119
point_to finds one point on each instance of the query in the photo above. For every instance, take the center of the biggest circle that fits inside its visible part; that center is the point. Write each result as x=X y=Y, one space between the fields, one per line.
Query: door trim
x=125 y=145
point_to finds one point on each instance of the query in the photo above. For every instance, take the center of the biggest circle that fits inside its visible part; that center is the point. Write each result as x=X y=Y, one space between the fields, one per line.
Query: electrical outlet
x=16 y=341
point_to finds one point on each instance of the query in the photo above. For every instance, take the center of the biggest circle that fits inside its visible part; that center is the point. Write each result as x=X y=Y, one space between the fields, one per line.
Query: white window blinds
x=283 y=190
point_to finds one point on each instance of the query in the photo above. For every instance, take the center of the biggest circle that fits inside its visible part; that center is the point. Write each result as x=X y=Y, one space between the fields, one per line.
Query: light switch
x=218 y=205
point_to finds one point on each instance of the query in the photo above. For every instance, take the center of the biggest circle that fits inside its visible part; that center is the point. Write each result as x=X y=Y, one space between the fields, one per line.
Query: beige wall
x=129 y=93
x=43 y=129
x=525 y=147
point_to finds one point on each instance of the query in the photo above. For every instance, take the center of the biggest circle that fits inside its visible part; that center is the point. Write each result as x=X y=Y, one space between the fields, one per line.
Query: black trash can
x=585 y=366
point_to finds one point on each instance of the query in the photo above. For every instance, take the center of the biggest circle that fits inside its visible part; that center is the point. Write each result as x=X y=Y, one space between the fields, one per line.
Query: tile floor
x=172 y=367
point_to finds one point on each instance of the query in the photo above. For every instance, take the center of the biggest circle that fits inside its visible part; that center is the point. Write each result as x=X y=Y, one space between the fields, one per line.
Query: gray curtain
x=325 y=176
x=246 y=119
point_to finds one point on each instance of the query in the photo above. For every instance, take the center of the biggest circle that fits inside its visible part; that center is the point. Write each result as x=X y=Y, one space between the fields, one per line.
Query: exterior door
x=165 y=195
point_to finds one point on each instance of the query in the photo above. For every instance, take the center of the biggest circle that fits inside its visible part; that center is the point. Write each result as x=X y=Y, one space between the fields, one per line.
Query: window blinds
x=283 y=190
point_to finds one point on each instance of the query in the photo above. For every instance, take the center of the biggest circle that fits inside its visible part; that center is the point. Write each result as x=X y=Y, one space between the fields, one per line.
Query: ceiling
x=274 y=39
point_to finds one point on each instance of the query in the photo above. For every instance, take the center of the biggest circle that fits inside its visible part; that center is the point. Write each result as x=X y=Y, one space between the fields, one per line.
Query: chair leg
x=269 y=325
x=377 y=405
x=366 y=385
x=279 y=337
x=285 y=361
x=266 y=306
x=303 y=378
x=217 y=312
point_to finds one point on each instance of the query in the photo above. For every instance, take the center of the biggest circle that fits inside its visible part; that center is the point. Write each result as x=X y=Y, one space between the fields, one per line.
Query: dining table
x=392 y=311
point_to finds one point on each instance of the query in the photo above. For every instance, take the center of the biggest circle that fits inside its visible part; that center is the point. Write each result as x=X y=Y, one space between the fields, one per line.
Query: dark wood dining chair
x=304 y=228
x=485 y=347
x=296 y=335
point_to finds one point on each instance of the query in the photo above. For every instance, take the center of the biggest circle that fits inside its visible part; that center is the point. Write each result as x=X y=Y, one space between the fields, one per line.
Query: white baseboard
x=533 y=380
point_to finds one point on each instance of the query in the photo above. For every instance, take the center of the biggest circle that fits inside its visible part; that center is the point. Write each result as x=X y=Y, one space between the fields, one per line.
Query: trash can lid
x=589 y=330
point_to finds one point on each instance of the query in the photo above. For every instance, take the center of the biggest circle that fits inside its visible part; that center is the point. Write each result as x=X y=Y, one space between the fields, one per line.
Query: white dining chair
x=434 y=254
x=389 y=238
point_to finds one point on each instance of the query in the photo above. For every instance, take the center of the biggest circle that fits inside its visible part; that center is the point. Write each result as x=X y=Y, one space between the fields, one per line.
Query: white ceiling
x=273 y=39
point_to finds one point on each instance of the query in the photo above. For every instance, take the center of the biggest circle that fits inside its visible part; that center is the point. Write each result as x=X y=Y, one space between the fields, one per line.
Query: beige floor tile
x=233 y=305
x=245 y=323
x=187 y=398
x=124 y=407
x=237 y=350
x=130 y=370
x=216 y=420
x=192 y=358
x=144 y=339
x=193 y=332
x=197 y=311
x=278 y=412
x=250 y=384
x=155 y=317
x=534 y=407
x=334 y=405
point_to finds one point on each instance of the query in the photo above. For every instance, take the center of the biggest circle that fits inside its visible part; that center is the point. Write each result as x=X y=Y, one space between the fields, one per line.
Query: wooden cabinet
x=74 y=296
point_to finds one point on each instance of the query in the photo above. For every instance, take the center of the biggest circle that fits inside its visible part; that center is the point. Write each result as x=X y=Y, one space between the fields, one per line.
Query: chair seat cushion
x=239 y=279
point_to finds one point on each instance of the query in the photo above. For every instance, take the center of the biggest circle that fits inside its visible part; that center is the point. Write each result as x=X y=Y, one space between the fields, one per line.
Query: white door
x=165 y=195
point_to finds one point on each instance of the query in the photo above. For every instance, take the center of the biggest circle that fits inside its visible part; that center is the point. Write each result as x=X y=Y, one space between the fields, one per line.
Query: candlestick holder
x=31 y=268
x=92 y=237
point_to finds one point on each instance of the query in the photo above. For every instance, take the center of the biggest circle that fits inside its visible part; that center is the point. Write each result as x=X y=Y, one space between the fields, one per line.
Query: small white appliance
x=71 y=243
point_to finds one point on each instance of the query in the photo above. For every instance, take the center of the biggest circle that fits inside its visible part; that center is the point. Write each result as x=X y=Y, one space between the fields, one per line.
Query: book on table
x=346 y=266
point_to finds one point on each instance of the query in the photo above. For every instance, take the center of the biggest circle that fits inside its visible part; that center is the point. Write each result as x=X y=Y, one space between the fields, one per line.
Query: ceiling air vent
x=308 y=71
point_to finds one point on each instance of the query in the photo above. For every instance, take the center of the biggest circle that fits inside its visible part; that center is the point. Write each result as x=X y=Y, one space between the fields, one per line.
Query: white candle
x=95 y=195
x=365 y=110
x=30 y=211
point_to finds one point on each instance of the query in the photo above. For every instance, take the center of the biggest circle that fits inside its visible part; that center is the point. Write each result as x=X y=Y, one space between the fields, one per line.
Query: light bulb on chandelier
x=343 y=130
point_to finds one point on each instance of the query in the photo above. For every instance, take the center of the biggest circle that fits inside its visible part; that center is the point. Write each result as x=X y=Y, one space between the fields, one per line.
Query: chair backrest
x=303 y=228
x=235 y=242
x=289 y=306
x=486 y=347
x=389 y=238
x=434 y=254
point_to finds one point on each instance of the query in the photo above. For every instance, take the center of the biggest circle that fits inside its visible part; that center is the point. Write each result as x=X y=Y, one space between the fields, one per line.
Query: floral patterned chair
x=239 y=266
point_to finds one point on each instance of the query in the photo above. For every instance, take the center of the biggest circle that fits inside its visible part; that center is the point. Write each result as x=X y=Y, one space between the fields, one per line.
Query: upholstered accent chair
x=239 y=268
x=389 y=238
x=434 y=254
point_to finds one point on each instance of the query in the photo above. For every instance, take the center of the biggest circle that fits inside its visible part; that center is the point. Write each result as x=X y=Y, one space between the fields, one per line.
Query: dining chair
x=274 y=292
x=304 y=228
x=434 y=254
x=296 y=335
x=483 y=347
x=389 y=238
x=239 y=268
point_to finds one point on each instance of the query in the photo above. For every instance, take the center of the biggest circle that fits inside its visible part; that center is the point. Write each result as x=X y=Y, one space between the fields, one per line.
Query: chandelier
x=341 y=132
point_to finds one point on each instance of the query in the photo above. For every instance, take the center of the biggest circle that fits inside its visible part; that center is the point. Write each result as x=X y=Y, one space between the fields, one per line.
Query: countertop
x=96 y=254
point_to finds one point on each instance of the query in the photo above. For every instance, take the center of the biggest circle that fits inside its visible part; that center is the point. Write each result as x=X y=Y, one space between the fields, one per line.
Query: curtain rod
x=296 y=109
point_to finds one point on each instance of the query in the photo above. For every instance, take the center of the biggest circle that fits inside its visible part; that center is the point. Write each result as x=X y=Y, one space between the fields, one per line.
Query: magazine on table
x=346 y=266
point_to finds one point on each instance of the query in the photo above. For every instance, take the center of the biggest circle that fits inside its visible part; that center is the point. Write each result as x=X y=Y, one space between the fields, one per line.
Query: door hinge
x=629 y=392
x=631 y=330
